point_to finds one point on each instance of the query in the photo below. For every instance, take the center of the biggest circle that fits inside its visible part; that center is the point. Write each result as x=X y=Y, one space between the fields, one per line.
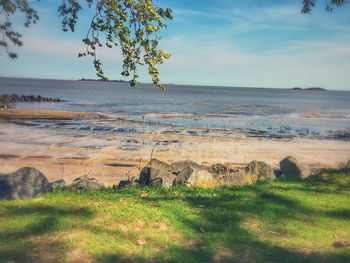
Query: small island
x=311 y=88
x=316 y=88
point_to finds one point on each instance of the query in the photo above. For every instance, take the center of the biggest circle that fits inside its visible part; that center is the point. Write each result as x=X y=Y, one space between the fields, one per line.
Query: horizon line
x=170 y=84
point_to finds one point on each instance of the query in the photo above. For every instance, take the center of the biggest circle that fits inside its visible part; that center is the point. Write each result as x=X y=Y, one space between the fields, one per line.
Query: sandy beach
x=110 y=156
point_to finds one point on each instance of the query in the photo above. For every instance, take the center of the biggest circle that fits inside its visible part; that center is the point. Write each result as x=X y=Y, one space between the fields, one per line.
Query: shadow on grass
x=21 y=240
x=340 y=213
x=220 y=235
x=249 y=252
x=217 y=225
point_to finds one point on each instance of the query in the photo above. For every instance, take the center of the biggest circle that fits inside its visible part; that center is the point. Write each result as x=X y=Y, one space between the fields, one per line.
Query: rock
x=179 y=166
x=127 y=183
x=237 y=178
x=27 y=182
x=154 y=176
x=221 y=169
x=278 y=172
x=291 y=167
x=195 y=177
x=224 y=174
x=157 y=172
x=6 y=99
x=156 y=164
x=85 y=183
x=59 y=184
x=260 y=170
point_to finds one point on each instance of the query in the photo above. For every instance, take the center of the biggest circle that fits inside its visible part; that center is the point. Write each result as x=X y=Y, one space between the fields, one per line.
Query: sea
x=257 y=112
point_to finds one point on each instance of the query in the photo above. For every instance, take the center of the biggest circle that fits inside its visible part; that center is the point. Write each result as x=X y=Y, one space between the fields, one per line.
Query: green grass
x=280 y=221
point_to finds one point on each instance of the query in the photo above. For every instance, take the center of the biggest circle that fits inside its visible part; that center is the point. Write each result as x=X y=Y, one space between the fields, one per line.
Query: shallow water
x=258 y=112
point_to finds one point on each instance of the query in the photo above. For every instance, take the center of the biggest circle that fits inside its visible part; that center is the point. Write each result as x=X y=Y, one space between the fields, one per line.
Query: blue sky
x=224 y=42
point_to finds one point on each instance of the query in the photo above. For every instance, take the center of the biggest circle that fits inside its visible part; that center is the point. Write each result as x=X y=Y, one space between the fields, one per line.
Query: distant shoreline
x=166 y=84
x=105 y=80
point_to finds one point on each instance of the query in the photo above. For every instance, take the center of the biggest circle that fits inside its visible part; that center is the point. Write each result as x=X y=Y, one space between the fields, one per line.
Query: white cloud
x=64 y=47
x=299 y=64
x=271 y=47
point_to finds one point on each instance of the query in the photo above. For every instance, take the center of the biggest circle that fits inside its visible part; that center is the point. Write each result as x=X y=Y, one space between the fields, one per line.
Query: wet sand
x=14 y=113
x=111 y=156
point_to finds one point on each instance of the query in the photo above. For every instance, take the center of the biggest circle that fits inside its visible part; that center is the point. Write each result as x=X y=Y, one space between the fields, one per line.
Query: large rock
x=237 y=178
x=157 y=173
x=25 y=183
x=191 y=176
x=160 y=177
x=85 y=183
x=260 y=171
x=224 y=174
x=291 y=167
x=156 y=164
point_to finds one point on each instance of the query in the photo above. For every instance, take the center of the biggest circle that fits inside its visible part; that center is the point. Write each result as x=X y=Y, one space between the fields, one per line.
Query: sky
x=251 y=43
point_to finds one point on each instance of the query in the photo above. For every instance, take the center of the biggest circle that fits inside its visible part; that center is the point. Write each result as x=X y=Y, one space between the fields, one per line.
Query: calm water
x=274 y=112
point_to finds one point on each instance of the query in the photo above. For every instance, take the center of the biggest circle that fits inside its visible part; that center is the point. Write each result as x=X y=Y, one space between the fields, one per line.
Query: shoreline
x=111 y=157
x=35 y=117
x=23 y=113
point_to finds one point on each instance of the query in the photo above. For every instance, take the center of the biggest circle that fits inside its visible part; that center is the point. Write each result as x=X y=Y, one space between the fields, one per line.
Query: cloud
x=271 y=46
x=298 y=64
x=54 y=46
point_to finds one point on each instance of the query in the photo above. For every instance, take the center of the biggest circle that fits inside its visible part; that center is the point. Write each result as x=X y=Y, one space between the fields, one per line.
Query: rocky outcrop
x=27 y=182
x=192 y=174
x=292 y=168
x=6 y=99
x=85 y=183
x=260 y=171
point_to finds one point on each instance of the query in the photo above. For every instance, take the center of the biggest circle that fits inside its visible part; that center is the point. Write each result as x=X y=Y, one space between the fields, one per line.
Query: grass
x=279 y=221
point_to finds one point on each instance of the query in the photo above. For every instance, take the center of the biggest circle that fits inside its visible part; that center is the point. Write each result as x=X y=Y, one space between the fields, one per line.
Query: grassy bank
x=279 y=221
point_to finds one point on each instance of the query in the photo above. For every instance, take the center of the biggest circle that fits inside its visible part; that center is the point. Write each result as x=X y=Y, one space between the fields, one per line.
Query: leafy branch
x=8 y=36
x=309 y=5
x=133 y=25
